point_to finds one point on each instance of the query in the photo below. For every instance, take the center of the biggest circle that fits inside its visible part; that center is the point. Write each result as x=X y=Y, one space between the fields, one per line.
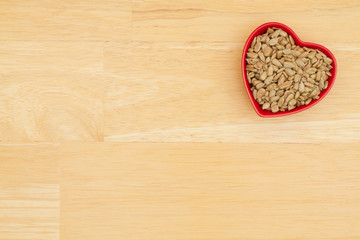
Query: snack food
x=283 y=75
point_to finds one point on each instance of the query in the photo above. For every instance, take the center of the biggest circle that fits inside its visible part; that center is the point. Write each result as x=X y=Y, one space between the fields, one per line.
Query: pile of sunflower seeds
x=283 y=75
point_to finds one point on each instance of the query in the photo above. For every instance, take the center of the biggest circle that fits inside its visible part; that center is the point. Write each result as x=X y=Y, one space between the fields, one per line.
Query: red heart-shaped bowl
x=262 y=29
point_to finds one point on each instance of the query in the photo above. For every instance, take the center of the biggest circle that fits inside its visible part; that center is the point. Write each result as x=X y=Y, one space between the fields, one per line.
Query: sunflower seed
x=280 y=93
x=300 y=63
x=281 y=80
x=252 y=55
x=267 y=51
x=295 y=53
x=289 y=98
x=321 y=83
x=311 y=55
x=289 y=65
x=259 y=85
x=326 y=85
x=311 y=70
x=296 y=86
x=273 y=41
x=283 y=75
x=291 y=40
x=257 y=47
x=275 y=109
x=266 y=105
x=268 y=80
x=263 y=75
x=327 y=60
x=301 y=87
x=276 y=33
x=260 y=93
x=274 y=98
x=303 y=55
x=292 y=102
x=285 y=85
x=286 y=51
x=289 y=71
x=281 y=101
x=270 y=87
x=276 y=62
x=283 y=33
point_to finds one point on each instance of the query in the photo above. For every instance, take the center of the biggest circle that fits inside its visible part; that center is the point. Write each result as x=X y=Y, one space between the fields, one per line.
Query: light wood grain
x=59 y=109
x=95 y=20
x=51 y=91
x=128 y=119
x=193 y=92
x=234 y=20
x=29 y=192
x=210 y=191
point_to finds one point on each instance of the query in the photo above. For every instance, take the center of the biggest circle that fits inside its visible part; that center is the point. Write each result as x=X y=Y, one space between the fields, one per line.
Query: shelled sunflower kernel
x=283 y=75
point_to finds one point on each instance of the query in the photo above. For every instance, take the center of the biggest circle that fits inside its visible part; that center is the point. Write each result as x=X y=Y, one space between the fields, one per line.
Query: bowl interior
x=262 y=29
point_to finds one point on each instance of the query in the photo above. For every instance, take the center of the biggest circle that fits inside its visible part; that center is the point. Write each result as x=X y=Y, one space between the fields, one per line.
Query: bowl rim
x=260 y=30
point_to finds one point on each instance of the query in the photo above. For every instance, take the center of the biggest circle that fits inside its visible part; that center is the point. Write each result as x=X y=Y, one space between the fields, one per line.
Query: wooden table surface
x=128 y=119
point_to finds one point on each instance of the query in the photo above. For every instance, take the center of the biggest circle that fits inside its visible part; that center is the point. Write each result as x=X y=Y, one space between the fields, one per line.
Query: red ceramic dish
x=262 y=29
